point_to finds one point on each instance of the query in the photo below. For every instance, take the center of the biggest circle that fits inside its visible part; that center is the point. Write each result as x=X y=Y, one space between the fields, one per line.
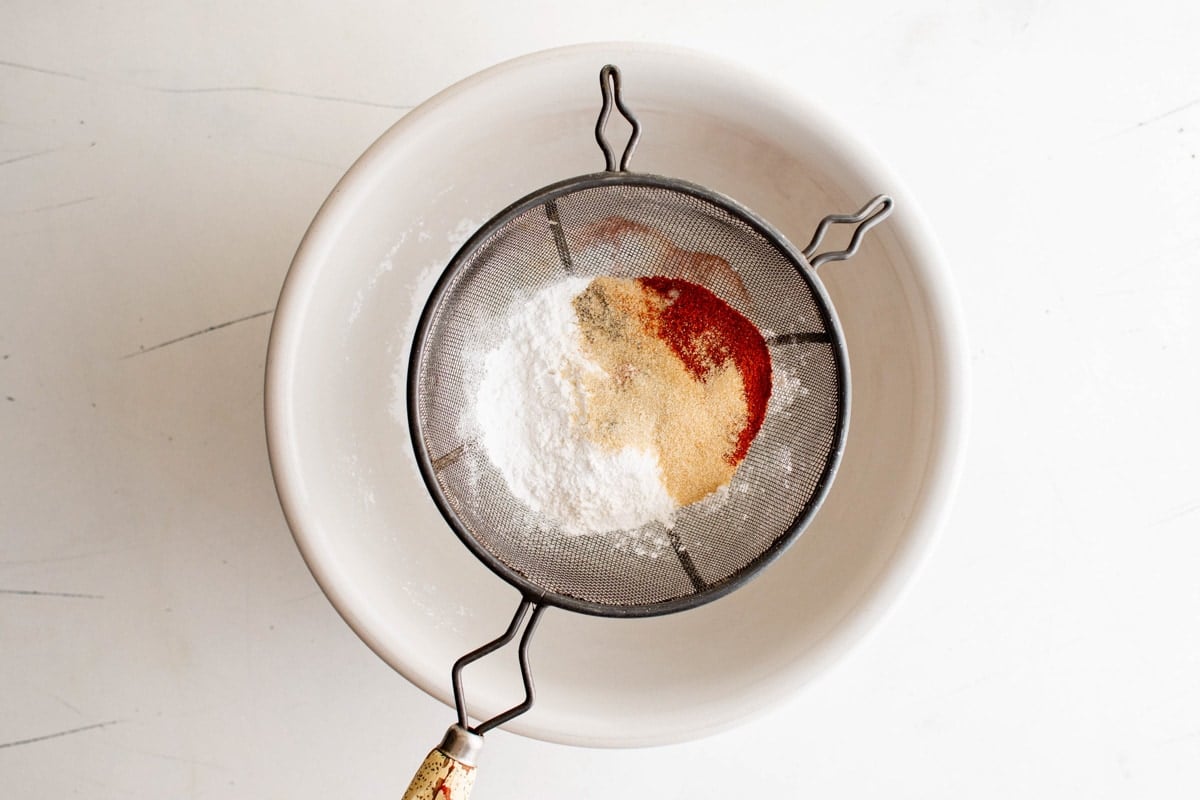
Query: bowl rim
x=947 y=445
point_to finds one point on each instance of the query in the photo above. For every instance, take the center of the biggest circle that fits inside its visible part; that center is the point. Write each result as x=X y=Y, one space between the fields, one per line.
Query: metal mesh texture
x=714 y=544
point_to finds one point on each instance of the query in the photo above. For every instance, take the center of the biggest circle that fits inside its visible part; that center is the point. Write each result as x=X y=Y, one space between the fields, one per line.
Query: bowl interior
x=339 y=438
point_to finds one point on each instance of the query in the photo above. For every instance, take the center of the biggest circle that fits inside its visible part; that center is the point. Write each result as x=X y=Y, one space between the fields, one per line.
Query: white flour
x=530 y=413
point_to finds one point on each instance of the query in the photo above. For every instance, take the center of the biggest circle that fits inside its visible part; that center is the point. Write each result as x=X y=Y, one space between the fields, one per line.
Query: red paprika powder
x=706 y=332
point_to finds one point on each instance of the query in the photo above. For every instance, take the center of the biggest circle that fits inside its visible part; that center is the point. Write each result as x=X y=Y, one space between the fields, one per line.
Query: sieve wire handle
x=460 y=701
x=866 y=218
x=448 y=772
x=610 y=91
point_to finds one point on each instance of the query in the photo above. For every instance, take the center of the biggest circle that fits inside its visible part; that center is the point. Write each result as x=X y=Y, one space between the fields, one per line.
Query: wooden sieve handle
x=448 y=772
x=441 y=777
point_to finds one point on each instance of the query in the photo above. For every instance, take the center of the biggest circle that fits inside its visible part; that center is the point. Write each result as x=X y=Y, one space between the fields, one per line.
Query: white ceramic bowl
x=339 y=441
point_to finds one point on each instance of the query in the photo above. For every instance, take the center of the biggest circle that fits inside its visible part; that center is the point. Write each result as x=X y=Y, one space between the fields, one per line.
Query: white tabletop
x=160 y=635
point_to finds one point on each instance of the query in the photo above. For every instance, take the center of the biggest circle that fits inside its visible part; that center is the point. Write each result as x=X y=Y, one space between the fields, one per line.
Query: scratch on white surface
x=75 y=202
x=36 y=593
x=28 y=156
x=281 y=92
x=58 y=734
x=299 y=159
x=42 y=70
x=67 y=705
x=183 y=759
x=201 y=332
x=1172 y=112
x=300 y=598
x=1182 y=511
x=1156 y=118
x=54 y=559
x=1183 y=737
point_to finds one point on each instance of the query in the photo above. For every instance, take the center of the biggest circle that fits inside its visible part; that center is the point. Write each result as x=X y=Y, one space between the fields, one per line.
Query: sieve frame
x=800 y=260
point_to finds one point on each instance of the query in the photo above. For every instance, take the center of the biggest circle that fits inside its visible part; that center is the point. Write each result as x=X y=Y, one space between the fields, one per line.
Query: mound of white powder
x=531 y=416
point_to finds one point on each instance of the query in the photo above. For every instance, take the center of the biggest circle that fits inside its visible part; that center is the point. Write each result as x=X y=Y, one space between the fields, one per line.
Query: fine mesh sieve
x=647 y=225
x=654 y=569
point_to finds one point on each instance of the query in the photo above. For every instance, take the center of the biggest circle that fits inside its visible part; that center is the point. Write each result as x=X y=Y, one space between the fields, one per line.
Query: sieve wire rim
x=531 y=590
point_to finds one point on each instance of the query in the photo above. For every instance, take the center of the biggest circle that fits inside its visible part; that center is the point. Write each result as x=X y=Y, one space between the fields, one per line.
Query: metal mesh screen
x=713 y=544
